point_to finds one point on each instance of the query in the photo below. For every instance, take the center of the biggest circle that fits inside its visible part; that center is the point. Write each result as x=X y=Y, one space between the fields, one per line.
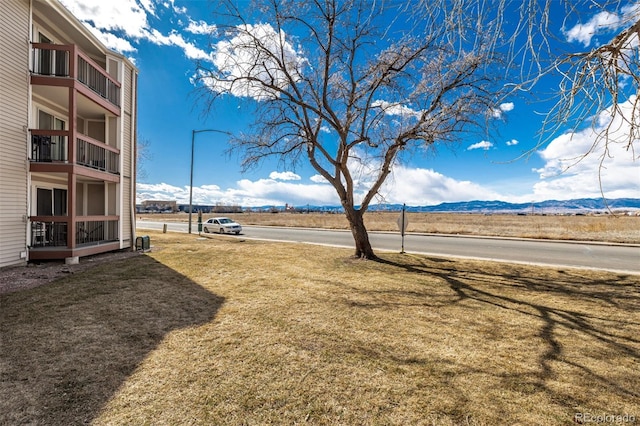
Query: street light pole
x=193 y=140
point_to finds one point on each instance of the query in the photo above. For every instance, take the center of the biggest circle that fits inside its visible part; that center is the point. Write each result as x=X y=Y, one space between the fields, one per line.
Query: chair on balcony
x=41 y=148
x=39 y=234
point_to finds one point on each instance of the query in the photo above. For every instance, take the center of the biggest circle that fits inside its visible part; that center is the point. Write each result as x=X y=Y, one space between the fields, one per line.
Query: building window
x=51 y=202
x=50 y=147
x=51 y=61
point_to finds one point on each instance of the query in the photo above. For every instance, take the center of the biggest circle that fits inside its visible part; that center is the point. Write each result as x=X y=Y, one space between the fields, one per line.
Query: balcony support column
x=73 y=69
x=73 y=111
x=71 y=211
x=72 y=146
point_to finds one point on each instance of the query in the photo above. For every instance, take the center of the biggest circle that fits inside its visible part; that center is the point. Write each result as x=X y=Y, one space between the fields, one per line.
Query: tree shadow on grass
x=66 y=348
x=602 y=310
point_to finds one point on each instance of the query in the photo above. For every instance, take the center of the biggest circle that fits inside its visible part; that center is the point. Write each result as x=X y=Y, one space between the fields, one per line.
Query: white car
x=223 y=225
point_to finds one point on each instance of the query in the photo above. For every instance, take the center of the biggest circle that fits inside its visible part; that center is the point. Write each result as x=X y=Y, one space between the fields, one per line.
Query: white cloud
x=283 y=176
x=176 y=39
x=171 y=5
x=119 y=23
x=128 y=16
x=512 y=142
x=421 y=187
x=396 y=109
x=112 y=41
x=269 y=191
x=414 y=186
x=601 y=23
x=480 y=145
x=569 y=173
x=161 y=191
x=246 y=193
x=507 y=106
x=318 y=179
x=502 y=108
x=201 y=27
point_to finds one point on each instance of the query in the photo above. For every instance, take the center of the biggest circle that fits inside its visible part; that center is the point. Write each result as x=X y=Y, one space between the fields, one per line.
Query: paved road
x=619 y=258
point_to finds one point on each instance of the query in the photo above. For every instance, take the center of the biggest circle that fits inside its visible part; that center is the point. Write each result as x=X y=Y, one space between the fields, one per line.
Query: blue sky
x=165 y=38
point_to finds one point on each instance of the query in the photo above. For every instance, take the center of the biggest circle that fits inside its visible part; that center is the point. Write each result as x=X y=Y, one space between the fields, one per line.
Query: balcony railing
x=96 y=231
x=52 y=146
x=97 y=156
x=52 y=60
x=48 y=147
x=94 y=78
x=66 y=61
x=45 y=233
x=48 y=234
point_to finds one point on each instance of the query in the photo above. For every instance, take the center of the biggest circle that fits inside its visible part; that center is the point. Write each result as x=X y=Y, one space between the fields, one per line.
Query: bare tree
x=142 y=156
x=352 y=85
x=590 y=48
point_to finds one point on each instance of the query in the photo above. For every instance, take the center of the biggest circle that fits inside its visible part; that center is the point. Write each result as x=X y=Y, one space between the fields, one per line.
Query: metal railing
x=88 y=232
x=97 y=157
x=48 y=234
x=48 y=148
x=96 y=231
x=52 y=146
x=97 y=81
x=52 y=60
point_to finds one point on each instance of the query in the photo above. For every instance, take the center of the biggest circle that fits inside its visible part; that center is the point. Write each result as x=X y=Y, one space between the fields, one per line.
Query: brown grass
x=604 y=228
x=230 y=331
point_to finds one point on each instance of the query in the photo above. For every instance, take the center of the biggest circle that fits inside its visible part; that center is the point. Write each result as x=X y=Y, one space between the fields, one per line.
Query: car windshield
x=225 y=220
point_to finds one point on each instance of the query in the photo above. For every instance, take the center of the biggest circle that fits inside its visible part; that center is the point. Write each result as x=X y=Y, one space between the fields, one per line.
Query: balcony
x=59 y=60
x=50 y=146
x=49 y=234
x=51 y=231
x=97 y=155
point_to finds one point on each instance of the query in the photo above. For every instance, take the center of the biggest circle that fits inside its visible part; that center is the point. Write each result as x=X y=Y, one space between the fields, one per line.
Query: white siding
x=125 y=219
x=127 y=152
x=127 y=160
x=14 y=104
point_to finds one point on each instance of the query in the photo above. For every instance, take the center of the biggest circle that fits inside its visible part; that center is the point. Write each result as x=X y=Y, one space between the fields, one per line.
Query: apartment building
x=67 y=137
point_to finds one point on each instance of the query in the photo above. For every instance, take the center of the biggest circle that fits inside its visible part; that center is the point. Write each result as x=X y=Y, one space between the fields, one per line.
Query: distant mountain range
x=582 y=205
x=578 y=206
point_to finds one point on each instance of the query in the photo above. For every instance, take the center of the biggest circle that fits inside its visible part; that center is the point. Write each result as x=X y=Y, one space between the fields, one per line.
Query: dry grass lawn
x=607 y=228
x=222 y=330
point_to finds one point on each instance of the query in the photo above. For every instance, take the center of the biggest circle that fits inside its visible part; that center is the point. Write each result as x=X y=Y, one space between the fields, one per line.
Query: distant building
x=159 y=206
x=207 y=208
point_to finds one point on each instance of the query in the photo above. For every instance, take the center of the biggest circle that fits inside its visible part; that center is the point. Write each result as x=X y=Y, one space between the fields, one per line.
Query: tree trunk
x=360 y=235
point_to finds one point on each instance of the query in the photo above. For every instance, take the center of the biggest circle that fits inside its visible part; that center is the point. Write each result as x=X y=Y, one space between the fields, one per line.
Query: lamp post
x=193 y=140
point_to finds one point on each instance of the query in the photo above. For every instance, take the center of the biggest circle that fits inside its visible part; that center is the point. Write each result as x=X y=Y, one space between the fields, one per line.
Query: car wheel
x=222 y=230
x=206 y=230
x=237 y=232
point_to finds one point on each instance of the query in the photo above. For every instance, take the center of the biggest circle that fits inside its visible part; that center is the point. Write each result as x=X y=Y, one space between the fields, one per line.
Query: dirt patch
x=34 y=274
